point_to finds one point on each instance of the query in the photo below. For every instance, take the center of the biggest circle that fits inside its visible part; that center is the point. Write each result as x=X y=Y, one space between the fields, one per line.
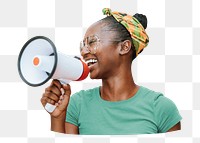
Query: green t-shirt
x=146 y=112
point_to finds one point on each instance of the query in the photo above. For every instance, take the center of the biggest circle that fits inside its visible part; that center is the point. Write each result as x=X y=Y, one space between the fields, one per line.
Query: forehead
x=94 y=29
x=99 y=29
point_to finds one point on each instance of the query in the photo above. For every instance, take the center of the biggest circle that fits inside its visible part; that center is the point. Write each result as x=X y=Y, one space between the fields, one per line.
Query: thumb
x=67 y=89
x=63 y=103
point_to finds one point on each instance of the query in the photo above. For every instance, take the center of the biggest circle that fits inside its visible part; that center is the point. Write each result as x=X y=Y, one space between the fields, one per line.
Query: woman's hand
x=58 y=95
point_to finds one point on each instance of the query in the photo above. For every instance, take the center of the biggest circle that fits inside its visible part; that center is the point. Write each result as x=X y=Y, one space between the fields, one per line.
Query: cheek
x=108 y=59
x=107 y=47
x=107 y=54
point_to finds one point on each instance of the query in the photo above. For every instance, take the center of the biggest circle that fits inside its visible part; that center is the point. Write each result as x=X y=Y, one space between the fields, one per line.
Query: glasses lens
x=81 y=46
x=90 y=43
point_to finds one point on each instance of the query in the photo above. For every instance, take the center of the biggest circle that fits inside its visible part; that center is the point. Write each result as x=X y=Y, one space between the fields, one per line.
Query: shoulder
x=164 y=106
x=157 y=98
x=166 y=114
x=149 y=94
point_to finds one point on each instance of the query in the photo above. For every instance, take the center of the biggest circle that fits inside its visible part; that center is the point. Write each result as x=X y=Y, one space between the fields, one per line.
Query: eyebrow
x=90 y=36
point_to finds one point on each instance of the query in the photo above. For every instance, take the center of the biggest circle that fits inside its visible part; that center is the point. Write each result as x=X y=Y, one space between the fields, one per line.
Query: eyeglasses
x=91 y=43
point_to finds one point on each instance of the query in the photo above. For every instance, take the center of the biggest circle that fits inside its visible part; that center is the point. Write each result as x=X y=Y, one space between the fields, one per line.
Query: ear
x=125 y=47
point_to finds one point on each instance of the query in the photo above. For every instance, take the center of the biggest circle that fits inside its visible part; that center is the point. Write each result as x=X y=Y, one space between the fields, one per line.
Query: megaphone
x=38 y=62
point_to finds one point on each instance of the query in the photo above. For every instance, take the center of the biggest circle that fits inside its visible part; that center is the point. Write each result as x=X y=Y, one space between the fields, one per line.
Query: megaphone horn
x=39 y=61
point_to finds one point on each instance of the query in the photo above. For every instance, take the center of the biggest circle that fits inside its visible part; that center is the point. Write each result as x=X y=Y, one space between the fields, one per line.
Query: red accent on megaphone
x=85 y=73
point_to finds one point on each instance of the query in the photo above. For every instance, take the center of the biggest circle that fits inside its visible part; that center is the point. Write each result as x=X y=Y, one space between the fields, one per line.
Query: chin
x=94 y=76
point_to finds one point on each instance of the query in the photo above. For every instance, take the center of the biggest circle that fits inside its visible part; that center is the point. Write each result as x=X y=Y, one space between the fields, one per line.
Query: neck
x=118 y=87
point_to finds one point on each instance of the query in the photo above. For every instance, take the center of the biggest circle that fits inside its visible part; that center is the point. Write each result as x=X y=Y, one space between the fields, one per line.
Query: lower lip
x=91 y=66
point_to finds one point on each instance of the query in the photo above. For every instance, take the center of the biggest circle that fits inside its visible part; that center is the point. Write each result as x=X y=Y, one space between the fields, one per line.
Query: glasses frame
x=93 y=50
x=88 y=45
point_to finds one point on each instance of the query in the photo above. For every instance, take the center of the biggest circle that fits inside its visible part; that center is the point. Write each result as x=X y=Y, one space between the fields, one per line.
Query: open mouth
x=91 y=62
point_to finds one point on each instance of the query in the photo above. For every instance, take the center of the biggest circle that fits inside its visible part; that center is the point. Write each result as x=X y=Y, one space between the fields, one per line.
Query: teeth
x=91 y=61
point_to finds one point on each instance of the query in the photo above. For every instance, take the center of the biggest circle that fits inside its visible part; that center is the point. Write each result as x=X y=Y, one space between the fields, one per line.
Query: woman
x=119 y=106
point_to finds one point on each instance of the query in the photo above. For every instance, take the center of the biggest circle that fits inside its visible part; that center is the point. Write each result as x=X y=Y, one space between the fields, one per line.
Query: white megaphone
x=39 y=61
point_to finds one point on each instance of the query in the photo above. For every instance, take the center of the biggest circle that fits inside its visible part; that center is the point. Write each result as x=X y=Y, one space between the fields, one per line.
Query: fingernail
x=59 y=101
x=61 y=97
x=62 y=91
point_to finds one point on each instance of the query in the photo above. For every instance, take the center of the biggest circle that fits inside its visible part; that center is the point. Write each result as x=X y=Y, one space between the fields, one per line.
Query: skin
x=114 y=70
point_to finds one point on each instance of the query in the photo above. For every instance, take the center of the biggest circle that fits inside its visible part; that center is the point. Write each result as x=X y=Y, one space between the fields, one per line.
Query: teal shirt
x=146 y=112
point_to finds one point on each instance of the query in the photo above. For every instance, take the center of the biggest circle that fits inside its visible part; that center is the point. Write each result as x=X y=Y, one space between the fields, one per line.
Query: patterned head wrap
x=134 y=27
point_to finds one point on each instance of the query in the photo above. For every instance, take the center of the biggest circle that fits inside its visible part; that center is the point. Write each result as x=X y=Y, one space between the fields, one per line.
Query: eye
x=92 y=41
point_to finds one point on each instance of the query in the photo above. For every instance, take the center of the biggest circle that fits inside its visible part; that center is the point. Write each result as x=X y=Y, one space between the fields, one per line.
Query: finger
x=50 y=101
x=51 y=96
x=61 y=97
x=56 y=104
x=62 y=104
x=62 y=91
x=46 y=100
x=60 y=101
x=67 y=89
x=54 y=89
x=43 y=101
x=57 y=83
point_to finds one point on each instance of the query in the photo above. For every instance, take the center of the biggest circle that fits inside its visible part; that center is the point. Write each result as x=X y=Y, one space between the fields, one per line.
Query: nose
x=84 y=51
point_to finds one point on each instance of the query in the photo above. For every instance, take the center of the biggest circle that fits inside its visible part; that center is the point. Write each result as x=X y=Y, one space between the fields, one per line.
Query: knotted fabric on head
x=134 y=27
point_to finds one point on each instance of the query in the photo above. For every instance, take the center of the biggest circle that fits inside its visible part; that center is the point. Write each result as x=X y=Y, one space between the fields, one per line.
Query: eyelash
x=92 y=41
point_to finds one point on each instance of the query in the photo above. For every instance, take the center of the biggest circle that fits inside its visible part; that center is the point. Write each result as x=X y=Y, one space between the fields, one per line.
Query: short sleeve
x=73 y=110
x=166 y=113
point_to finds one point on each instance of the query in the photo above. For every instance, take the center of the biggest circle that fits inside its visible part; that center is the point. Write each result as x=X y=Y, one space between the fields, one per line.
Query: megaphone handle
x=64 y=81
x=49 y=107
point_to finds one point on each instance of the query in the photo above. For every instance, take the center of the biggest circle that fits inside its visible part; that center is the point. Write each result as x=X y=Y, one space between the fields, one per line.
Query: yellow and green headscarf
x=134 y=27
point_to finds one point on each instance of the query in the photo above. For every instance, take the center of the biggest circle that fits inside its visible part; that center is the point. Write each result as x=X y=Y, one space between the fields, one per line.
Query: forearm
x=58 y=124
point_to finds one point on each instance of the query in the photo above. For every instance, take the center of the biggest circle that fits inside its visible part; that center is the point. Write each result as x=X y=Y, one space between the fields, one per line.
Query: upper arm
x=175 y=127
x=71 y=128
x=167 y=115
x=72 y=116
